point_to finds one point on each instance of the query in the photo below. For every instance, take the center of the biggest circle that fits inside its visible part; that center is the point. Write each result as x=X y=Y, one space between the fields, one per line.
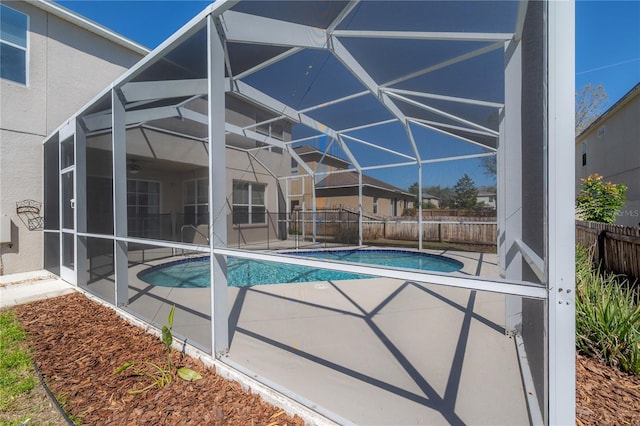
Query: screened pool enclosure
x=263 y=133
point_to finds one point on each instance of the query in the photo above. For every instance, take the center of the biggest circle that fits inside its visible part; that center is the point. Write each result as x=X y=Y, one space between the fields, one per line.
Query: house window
x=248 y=203
x=584 y=153
x=13 y=45
x=143 y=208
x=196 y=202
x=394 y=207
x=294 y=166
x=375 y=205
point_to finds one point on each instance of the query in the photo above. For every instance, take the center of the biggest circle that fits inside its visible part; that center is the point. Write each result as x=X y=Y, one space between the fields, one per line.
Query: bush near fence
x=616 y=248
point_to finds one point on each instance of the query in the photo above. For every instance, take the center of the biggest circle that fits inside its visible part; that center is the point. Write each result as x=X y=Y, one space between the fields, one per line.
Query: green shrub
x=600 y=201
x=607 y=316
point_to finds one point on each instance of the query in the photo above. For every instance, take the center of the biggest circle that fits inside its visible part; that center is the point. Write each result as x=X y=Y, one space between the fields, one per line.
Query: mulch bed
x=78 y=343
x=605 y=395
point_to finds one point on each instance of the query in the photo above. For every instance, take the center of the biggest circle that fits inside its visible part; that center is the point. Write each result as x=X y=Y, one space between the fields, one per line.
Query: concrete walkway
x=17 y=289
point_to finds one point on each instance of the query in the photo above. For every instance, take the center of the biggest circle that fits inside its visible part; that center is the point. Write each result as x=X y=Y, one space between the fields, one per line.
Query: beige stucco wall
x=68 y=66
x=614 y=153
x=241 y=167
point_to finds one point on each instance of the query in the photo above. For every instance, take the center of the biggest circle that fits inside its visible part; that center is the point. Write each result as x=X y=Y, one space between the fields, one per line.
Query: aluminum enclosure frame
x=553 y=268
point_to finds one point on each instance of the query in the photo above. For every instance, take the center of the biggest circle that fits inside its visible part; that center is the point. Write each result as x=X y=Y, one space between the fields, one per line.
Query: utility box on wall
x=5 y=229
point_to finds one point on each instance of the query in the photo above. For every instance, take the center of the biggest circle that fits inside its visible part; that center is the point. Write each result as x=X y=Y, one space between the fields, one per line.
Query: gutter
x=85 y=23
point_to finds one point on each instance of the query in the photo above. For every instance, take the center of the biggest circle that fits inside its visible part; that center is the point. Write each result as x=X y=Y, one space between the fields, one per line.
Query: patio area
x=365 y=351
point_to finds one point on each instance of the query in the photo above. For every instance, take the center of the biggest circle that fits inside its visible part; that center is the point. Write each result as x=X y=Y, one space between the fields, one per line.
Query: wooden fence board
x=615 y=247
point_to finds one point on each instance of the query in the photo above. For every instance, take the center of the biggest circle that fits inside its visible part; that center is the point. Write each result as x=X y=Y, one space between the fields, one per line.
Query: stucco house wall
x=67 y=66
x=612 y=148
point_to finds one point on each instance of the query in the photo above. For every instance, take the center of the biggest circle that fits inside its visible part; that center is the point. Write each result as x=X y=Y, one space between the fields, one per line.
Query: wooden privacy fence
x=615 y=247
x=473 y=230
x=341 y=224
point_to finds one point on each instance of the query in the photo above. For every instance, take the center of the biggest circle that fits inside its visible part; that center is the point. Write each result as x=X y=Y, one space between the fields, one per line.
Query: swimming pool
x=194 y=272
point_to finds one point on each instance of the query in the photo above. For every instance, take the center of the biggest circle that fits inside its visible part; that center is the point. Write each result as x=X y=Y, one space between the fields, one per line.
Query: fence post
x=602 y=236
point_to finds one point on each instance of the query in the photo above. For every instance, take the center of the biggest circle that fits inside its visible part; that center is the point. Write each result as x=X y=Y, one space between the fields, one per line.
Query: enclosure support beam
x=217 y=190
x=419 y=206
x=81 y=202
x=560 y=211
x=119 y=149
x=360 y=207
x=509 y=176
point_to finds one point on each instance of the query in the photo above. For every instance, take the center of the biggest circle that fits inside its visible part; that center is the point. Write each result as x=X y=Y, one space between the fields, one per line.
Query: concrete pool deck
x=370 y=351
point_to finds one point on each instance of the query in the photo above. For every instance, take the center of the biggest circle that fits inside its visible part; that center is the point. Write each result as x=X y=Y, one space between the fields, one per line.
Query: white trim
x=560 y=210
x=452 y=127
x=366 y=126
x=533 y=260
x=444 y=64
x=423 y=35
x=372 y=145
x=453 y=135
x=246 y=28
x=535 y=415
x=442 y=97
x=442 y=113
x=89 y=25
x=267 y=63
x=525 y=289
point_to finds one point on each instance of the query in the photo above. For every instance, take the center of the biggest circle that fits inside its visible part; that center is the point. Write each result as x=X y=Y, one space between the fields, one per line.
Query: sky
x=607 y=52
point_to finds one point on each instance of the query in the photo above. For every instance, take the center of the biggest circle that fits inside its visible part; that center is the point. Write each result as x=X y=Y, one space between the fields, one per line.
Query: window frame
x=195 y=204
x=143 y=230
x=25 y=49
x=250 y=204
x=375 y=204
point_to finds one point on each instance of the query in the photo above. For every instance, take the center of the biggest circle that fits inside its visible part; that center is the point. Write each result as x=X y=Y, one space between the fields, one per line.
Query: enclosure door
x=67 y=211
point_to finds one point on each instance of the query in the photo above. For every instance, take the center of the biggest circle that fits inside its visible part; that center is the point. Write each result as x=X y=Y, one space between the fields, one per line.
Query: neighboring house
x=53 y=62
x=428 y=198
x=337 y=187
x=487 y=198
x=610 y=146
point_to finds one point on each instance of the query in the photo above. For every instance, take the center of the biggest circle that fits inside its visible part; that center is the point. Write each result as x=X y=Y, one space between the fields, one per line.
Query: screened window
x=375 y=205
x=143 y=208
x=248 y=203
x=196 y=202
x=13 y=45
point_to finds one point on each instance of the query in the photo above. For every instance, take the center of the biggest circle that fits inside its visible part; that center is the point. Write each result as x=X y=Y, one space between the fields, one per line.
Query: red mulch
x=605 y=395
x=78 y=343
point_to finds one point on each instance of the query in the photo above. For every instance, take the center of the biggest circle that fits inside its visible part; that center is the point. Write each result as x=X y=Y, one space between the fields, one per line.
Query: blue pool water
x=194 y=273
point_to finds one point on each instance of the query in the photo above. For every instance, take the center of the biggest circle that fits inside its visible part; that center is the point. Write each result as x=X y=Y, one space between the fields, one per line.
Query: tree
x=415 y=189
x=465 y=193
x=489 y=165
x=590 y=104
x=599 y=201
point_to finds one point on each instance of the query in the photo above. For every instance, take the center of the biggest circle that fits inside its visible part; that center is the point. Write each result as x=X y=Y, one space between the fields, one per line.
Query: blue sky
x=607 y=49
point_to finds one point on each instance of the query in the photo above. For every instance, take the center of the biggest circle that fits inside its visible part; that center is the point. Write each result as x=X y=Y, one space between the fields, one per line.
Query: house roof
x=628 y=97
x=310 y=153
x=350 y=179
x=89 y=25
x=433 y=197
